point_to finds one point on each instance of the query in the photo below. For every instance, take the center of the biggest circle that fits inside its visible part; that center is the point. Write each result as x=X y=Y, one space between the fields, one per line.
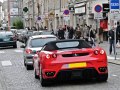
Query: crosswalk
x=16 y=51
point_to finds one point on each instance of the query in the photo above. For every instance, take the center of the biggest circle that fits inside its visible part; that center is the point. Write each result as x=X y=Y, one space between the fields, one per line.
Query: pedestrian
x=85 y=32
x=92 y=36
x=70 y=32
x=78 y=26
x=118 y=32
x=77 y=33
x=61 y=33
x=111 y=40
x=100 y=33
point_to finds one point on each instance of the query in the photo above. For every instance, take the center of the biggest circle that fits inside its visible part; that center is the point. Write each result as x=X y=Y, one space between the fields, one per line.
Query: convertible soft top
x=66 y=44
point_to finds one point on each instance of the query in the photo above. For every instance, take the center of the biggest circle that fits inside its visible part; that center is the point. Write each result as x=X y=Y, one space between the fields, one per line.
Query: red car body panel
x=90 y=60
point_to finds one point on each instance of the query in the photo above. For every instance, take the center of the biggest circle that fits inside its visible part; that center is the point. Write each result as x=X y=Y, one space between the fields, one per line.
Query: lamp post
x=8 y=15
x=33 y=12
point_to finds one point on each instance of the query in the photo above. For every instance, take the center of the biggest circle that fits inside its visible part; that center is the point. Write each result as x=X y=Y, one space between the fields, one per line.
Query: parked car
x=20 y=33
x=34 y=44
x=7 y=38
x=70 y=60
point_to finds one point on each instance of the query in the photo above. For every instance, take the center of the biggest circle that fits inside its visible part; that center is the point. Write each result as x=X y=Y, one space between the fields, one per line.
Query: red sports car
x=68 y=60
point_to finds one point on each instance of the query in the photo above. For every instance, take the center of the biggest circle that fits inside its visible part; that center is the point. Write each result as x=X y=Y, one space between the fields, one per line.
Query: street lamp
x=8 y=15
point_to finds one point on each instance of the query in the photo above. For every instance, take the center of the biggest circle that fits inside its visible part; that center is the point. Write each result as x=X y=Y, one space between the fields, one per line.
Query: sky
x=1 y=0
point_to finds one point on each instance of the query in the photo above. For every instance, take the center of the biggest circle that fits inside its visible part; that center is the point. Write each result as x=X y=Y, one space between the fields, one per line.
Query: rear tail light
x=35 y=57
x=48 y=56
x=54 y=55
x=96 y=52
x=28 y=51
x=14 y=38
x=102 y=52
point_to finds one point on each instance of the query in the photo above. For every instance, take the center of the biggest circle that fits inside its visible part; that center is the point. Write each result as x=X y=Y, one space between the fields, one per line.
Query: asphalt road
x=14 y=76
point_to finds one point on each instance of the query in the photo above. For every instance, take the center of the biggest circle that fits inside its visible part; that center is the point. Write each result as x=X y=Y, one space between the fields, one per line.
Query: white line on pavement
x=114 y=75
x=109 y=57
x=20 y=51
x=6 y=63
x=2 y=52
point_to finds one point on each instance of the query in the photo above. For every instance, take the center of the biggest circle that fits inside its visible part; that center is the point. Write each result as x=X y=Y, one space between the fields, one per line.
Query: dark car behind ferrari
x=7 y=38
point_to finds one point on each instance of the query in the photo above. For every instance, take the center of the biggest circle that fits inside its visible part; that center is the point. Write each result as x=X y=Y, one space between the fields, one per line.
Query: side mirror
x=22 y=46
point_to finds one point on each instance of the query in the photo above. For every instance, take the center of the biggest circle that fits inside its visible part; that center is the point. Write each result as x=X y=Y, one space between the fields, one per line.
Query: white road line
x=2 y=52
x=114 y=75
x=19 y=51
x=109 y=57
x=6 y=63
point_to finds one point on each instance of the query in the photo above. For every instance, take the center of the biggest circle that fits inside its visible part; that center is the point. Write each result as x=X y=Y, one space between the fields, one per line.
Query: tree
x=18 y=24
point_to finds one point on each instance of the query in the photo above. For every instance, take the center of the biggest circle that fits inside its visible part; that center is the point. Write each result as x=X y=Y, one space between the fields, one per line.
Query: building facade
x=50 y=13
x=15 y=7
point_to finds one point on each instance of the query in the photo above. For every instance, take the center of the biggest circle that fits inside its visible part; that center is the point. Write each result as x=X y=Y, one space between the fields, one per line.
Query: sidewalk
x=111 y=58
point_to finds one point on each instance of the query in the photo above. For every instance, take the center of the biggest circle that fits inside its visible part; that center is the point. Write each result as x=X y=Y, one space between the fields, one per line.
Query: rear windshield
x=67 y=45
x=46 y=33
x=39 y=42
x=7 y=34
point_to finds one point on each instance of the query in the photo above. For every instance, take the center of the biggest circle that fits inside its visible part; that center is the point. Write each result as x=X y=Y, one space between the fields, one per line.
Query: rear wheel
x=24 y=63
x=29 y=67
x=15 y=46
x=43 y=81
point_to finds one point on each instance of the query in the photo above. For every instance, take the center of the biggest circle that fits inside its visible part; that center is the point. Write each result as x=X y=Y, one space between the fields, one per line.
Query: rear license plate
x=77 y=65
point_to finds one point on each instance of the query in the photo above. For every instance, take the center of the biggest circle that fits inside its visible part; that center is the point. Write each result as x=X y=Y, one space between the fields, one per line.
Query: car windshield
x=7 y=34
x=39 y=42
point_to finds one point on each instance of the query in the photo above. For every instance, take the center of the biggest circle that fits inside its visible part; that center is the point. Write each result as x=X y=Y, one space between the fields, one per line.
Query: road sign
x=66 y=12
x=98 y=15
x=67 y=18
x=114 y=4
x=39 y=18
x=98 y=8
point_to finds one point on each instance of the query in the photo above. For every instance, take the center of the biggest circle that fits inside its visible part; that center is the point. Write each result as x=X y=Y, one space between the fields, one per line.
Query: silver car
x=33 y=45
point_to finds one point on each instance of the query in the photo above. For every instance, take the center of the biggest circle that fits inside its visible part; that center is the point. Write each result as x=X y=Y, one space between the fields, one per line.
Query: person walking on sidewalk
x=111 y=40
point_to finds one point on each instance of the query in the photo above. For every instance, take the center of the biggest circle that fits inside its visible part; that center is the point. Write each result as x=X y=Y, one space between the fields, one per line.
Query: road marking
x=114 y=75
x=6 y=63
x=18 y=51
x=109 y=57
x=2 y=52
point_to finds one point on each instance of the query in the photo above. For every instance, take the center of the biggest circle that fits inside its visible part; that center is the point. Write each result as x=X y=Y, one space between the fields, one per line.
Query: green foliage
x=18 y=24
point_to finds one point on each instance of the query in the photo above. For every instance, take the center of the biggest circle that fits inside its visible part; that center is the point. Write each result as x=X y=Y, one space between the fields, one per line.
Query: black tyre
x=15 y=46
x=24 y=63
x=28 y=67
x=103 y=78
x=36 y=76
x=43 y=81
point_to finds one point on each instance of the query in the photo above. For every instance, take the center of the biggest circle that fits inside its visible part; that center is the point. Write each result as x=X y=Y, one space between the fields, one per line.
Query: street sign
x=114 y=4
x=98 y=8
x=39 y=18
x=67 y=18
x=66 y=12
x=98 y=15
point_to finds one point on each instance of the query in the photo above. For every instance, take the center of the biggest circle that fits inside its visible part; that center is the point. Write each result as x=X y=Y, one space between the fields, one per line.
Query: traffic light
x=106 y=9
x=25 y=9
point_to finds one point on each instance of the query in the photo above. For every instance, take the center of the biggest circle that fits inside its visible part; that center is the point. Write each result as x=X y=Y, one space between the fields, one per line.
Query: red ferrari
x=70 y=60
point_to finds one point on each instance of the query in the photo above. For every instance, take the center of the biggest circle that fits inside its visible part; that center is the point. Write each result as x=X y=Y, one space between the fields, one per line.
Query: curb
x=117 y=62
